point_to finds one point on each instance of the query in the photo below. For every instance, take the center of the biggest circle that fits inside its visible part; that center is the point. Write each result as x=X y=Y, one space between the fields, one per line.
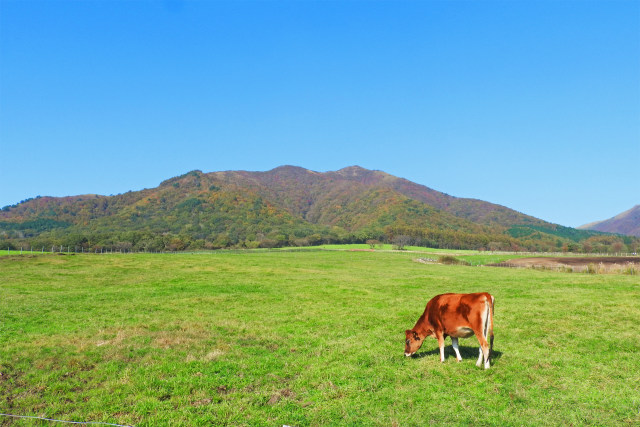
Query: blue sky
x=534 y=105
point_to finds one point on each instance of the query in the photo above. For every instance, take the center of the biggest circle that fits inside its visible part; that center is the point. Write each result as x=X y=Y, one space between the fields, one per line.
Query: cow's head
x=413 y=342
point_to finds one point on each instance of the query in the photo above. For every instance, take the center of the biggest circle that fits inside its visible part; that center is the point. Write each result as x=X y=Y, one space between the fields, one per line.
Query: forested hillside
x=287 y=206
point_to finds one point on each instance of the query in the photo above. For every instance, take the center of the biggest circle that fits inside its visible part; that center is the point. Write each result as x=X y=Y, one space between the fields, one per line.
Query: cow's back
x=457 y=314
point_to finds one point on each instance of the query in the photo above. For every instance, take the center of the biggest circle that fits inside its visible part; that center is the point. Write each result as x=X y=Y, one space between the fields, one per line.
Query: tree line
x=399 y=236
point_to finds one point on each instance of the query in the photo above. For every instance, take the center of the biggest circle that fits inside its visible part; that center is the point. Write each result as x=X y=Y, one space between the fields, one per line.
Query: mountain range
x=628 y=222
x=285 y=206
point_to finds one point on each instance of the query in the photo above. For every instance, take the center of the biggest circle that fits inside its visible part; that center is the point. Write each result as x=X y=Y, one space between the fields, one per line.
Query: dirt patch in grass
x=275 y=397
x=571 y=261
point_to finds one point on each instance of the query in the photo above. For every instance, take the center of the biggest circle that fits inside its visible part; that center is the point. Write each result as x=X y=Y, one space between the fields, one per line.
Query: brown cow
x=457 y=316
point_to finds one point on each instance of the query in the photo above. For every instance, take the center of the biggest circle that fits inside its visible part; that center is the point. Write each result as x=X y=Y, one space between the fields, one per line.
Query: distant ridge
x=285 y=206
x=627 y=222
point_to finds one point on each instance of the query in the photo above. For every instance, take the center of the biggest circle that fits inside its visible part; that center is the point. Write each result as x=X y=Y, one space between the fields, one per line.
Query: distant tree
x=197 y=244
x=399 y=242
x=6 y=245
x=282 y=239
x=123 y=246
x=221 y=241
x=573 y=247
x=315 y=239
x=301 y=242
x=494 y=246
x=616 y=247
x=268 y=243
x=251 y=244
x=372 y=243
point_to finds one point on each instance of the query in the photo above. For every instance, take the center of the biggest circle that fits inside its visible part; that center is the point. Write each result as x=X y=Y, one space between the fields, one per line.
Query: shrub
x=399 y=242
x=448 y=259
x=631 y=269
x=372 y=243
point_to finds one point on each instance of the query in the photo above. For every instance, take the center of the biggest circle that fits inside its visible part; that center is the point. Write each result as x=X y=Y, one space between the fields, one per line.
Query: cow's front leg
x=454 y=343
x=440 y=338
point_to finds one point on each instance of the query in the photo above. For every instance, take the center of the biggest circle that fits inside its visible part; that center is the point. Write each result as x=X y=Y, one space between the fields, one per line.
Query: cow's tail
x=488 y=323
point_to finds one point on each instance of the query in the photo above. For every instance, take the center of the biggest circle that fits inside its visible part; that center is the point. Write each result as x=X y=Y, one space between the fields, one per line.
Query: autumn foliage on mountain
x=627 y=222
x=287 y=206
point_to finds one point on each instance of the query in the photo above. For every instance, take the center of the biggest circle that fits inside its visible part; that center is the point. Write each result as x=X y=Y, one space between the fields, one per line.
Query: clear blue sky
x=534 y=105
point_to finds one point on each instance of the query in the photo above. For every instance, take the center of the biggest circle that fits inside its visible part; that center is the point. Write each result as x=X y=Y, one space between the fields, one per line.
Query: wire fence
x=62 y=249
x=29 y=417
x=73 y=250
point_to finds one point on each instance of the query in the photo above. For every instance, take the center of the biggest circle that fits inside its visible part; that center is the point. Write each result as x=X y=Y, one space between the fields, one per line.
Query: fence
x=67 y=250
x=116 y=250
x=78 y=250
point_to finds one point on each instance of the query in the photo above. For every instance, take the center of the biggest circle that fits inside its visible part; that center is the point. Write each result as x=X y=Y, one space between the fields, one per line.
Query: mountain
x=285 y=206
x=627 y=223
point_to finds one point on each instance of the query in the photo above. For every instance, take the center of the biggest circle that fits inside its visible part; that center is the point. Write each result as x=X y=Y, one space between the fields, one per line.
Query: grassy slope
x=306 y=338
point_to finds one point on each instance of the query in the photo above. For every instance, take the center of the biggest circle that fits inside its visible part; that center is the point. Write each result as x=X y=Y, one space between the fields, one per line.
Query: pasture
x=306 y=338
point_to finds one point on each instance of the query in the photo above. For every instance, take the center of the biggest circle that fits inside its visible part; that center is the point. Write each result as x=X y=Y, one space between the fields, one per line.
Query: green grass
x=306 y=338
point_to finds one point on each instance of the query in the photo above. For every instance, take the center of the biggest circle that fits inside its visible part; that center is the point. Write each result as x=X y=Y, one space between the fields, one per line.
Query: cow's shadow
x=467 y=352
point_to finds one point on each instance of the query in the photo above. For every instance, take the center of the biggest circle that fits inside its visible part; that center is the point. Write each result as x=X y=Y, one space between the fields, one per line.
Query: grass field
x=306 y=338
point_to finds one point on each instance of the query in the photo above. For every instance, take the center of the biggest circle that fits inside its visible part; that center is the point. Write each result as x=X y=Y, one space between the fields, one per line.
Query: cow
x=457 y=316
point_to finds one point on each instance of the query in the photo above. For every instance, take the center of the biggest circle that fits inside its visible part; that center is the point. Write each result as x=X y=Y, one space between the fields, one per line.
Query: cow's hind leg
x=484 y=351
x=454 y=343
x=491 y=345
x=486 y=332
x=479 y=362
